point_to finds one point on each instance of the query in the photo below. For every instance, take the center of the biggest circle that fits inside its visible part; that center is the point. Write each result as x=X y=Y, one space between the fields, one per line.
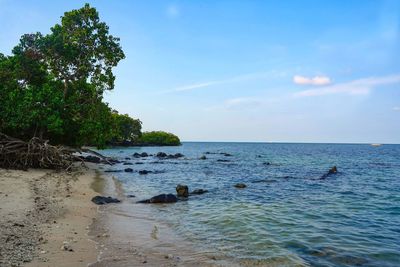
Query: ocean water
x=287 y=215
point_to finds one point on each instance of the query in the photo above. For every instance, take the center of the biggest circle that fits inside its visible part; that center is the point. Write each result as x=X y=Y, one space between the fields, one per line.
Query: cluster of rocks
x=97 y=160
x=162 y=155
x=141 y=155
x=182 y=193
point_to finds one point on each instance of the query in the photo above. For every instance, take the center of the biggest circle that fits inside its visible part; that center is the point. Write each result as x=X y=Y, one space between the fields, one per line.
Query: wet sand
x=127 y=234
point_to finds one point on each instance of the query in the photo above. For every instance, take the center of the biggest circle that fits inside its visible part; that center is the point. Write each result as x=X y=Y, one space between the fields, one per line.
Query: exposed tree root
x=38 y=153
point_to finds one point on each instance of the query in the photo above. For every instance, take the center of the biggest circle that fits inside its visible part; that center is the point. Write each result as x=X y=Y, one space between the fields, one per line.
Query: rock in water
x=203 y=157
x=240 y=185
x=182 y=190
x=161 y=155
x=100 y=200
x=92 y=159
x=331 y=171
x=163 y=198
x=143 y=172
x=113 y=171
x=128 y=170
x=198 y=192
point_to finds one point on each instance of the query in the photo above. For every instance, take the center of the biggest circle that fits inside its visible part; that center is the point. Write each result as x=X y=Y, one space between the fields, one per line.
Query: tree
x=81 y=49
x=127 y=130
x=52 y=86
x=159 y=138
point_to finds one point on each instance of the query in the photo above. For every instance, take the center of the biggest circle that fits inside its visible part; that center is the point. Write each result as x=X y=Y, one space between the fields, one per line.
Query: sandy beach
x=45 y=217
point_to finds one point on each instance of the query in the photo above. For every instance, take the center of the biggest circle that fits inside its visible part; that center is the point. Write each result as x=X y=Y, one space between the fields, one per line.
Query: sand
x=45 y=218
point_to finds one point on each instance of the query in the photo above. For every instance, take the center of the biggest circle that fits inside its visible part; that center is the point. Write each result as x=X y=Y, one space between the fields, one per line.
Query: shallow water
x=287 y=215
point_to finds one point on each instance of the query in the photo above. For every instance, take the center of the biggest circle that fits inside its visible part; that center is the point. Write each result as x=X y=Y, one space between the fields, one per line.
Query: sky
x=248 y=71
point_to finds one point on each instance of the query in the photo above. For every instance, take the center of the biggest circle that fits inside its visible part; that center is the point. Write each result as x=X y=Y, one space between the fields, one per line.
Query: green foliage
x=159 y=138
x=81 y=48
x=126 y=129
x=52 y=86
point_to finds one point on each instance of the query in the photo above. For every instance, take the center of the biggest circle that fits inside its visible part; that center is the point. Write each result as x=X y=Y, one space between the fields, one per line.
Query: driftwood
x=37 y=153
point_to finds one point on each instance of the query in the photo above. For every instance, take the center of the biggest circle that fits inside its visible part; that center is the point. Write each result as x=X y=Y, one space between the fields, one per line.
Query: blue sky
x=294 y=71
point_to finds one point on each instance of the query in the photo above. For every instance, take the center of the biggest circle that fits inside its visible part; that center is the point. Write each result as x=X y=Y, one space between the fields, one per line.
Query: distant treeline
x=52 y=86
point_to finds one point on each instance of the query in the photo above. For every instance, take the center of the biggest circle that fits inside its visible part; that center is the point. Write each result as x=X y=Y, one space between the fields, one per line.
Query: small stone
x=198 y=192
x=182 y=190
x=203 y=157
x=240 y=185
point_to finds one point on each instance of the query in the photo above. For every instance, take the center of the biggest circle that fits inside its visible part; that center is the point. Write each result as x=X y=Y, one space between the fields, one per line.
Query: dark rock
x=223 y=160
x=128 y=170
x=113 y=171
x=163 y=198
x=142 y=172
x=198 y=192
x=266 y=163
x=161 y=155
x=139 y=162
x=226 y=154
x=203 y=157
x=92 y=159
x=182 y=190
x=331 y=171
x=240 y=185
x=127 y=163
x=136 y=155
x=111 y=160
x=127 y=158
x=131 y=196
x=100 y=200
x=144 y=154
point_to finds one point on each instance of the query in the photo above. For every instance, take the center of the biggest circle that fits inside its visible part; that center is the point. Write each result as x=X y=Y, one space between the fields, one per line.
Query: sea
x=289 y=214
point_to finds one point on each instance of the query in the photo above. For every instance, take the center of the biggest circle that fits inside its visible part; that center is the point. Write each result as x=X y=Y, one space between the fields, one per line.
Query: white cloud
x=317 y=80
x=173 y=11
x=396 y=108
x=355 y=87
x=196 y=86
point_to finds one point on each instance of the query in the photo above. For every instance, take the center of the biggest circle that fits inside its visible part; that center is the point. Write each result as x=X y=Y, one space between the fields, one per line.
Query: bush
x=159 y=138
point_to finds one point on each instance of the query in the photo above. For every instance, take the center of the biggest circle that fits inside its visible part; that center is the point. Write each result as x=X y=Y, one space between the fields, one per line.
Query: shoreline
x=126 y=234
x=48 y=219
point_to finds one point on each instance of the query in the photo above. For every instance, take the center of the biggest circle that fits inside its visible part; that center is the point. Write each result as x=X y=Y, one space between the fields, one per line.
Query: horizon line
x=291 y=142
